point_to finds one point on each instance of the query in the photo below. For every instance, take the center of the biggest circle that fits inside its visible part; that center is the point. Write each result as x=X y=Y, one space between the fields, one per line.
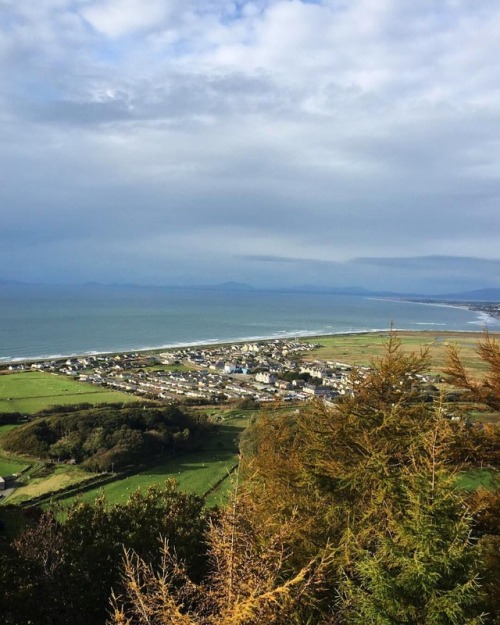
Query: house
x=266 y=377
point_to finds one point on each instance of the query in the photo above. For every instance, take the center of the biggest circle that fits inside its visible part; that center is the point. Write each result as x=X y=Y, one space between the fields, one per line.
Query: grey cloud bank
x=270 y=142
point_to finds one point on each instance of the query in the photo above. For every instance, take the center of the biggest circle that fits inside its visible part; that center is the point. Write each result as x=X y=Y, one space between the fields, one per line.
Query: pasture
x=361 y=349
x=35 y=485
x=195 y=473
x=9 y=465
x=31 y=391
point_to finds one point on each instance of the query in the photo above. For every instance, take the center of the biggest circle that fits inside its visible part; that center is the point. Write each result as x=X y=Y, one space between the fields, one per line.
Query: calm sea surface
x=60 y=321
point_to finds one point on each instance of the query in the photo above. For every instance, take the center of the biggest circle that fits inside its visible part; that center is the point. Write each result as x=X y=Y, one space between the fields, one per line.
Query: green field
x=60 y=476
x=7 y=428
x=220 y=495
x=32 y=391
x=195 y=473
x=361 y=349
x=8 y=465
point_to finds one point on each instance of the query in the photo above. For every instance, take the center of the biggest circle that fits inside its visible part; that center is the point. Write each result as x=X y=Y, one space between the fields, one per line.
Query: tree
x=424 y=569
x=248 y=581
x=486 y=390
x=334 y=466
x=370 y=481
x=66 y=571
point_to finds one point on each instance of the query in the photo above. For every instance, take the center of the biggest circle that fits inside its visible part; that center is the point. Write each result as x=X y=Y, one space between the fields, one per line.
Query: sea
x=46 y=322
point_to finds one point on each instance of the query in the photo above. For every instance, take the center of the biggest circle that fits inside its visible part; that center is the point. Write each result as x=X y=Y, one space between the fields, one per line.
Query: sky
x=273 y=142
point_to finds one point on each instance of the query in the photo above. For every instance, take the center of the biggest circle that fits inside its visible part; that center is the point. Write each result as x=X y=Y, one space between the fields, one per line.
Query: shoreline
x=487 y=310
x=219 y=343
x=304 y=334
x=482 y=310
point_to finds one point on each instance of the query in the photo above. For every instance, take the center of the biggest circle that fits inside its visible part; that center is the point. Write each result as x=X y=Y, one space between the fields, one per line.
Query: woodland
x=106 y=437
x=340 y=515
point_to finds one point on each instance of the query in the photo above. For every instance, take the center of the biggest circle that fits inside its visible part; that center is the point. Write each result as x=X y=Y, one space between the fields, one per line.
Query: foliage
x=106 y=437
x=64 y=572
x=347 y=514
x=334 y=466
x=245 y=584
x=7 y=418
x=357 y=479
x=424 y=569
x=487 y=389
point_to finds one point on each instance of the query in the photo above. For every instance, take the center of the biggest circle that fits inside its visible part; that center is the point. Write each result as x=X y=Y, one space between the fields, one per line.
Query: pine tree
x=424 y=569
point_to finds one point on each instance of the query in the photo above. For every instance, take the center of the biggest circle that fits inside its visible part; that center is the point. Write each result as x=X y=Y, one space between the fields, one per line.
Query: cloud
x=117 y=18
x=274 y=139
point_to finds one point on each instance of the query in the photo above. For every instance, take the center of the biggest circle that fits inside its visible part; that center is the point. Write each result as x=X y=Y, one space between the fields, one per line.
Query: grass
x=361 y=349
x=32 y=391
x=195 y=473
x=9 y=465
x=7 y=428
x=220 y=495
x=484 y=416
x=60 y=477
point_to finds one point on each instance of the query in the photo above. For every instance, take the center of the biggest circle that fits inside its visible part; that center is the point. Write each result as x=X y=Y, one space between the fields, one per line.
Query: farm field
x=360 y=349
x=32 y=391
x=8 y=465
x=61 y=477
x=195 y=473
x=220 y=495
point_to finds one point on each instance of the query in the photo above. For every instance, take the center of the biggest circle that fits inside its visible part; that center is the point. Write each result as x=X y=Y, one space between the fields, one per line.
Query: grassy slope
x=196 y=472
x=32 y=391
x=9 y=463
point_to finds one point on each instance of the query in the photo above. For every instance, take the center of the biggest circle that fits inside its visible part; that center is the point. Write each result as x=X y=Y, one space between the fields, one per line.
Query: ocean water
x=46 y=322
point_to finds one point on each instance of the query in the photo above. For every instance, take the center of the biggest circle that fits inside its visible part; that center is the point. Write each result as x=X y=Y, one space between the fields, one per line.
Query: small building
x=266 y=377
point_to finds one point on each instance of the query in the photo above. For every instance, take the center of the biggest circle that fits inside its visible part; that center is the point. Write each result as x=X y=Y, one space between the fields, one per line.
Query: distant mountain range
x=477 y=295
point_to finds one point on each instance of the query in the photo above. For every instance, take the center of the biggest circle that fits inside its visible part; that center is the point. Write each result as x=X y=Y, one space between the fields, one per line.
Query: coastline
x=219 y=343
x=487 y=310
x=480 y=319
x=194 y=344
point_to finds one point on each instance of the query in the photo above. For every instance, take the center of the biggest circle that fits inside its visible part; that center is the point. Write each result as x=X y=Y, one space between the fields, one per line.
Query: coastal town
x=262 y=371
